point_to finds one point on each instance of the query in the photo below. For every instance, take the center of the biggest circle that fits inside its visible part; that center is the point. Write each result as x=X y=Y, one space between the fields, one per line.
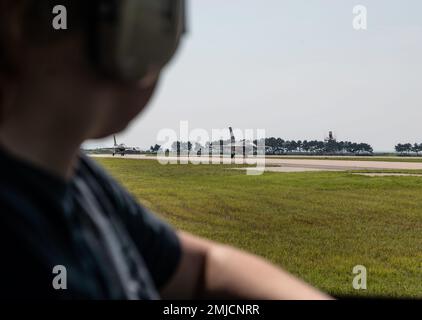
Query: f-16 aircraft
x=122 y=149
x=243 y=145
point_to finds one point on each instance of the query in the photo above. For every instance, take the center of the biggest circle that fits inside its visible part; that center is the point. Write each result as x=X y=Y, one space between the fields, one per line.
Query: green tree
x=155 y=149
x=399 y=148
x=408 y=147
x=416 y=148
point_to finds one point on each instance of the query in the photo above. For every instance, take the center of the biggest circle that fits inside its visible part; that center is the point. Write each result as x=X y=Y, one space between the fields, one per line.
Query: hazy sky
x=295 y=68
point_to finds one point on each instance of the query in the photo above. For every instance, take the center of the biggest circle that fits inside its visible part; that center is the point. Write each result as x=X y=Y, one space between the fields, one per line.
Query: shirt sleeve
x=156 y=241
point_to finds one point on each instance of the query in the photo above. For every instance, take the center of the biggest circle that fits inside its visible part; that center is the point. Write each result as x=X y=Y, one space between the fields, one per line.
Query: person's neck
x=42 y=143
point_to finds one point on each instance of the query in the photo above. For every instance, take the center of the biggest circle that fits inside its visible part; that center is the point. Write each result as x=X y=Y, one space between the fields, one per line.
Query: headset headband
x=133 y=38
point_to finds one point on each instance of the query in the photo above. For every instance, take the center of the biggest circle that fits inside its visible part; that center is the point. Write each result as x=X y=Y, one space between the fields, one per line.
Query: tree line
x=277 y=146
x=408 y=148
x=280 y=146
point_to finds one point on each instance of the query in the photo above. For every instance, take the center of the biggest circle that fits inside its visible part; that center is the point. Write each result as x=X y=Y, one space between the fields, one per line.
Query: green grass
x=317 y=225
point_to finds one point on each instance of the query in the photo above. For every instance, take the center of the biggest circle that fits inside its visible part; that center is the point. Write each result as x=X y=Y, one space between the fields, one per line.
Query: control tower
x=330 y=137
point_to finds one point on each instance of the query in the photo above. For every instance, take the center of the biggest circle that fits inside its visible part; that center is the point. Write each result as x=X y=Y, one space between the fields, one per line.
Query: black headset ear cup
x=131 y=38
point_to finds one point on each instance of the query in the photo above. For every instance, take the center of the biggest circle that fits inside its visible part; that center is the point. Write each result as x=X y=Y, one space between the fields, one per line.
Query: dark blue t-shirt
x=110 y=246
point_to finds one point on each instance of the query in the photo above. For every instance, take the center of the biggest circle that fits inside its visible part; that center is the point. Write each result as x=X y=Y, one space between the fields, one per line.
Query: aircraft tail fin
x=115 y=142
x=233 y=140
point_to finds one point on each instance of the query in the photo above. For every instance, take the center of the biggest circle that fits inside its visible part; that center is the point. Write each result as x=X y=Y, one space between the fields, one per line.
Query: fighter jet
x=122 y=149
x=243 y=145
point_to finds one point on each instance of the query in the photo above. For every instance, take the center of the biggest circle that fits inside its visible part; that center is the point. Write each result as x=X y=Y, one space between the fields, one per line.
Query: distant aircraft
x=122 y=149
x=243 y=144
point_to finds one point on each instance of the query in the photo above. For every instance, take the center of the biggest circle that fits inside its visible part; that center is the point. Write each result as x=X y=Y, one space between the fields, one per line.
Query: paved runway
x=343 y=165
x=296 y=165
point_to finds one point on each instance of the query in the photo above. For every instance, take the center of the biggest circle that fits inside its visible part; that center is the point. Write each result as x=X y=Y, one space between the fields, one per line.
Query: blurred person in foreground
x=59 y=208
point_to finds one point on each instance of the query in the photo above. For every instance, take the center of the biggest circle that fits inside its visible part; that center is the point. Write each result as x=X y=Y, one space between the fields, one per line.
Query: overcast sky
x=295 y=68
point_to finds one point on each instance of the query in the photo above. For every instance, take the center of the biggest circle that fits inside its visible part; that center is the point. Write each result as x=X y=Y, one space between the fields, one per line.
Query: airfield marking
x=386 y=174
x=288 y=169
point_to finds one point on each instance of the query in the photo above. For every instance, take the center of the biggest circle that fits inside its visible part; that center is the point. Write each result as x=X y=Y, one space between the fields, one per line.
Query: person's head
x=48 y=73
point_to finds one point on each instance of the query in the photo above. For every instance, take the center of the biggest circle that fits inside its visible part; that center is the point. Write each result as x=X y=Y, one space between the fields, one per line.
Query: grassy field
x=317 y=225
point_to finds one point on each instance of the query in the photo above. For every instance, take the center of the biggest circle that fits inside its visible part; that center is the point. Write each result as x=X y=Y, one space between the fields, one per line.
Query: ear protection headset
x=134 y=38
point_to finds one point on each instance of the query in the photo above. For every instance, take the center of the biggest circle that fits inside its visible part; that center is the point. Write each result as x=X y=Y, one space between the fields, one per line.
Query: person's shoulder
x=92 y=172
x=101 y=182
x=23 y=274
x=88 y=166
x=155 y=239
x=14 y=202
